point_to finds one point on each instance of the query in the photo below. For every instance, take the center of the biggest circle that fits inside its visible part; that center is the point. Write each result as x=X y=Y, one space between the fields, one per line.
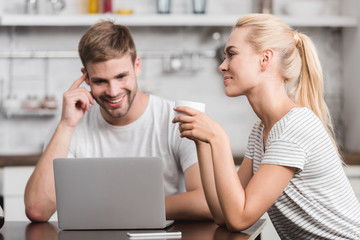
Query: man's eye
x=121 y=76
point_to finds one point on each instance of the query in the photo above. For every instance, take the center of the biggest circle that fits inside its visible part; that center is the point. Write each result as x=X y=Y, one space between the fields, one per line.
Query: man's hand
x=76 y=101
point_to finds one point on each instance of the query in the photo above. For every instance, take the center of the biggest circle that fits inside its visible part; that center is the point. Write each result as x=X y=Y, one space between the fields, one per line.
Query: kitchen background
x=180 y=54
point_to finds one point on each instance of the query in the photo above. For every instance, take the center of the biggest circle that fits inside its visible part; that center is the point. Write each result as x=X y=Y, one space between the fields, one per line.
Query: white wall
x=203 y=85
x=351 y=84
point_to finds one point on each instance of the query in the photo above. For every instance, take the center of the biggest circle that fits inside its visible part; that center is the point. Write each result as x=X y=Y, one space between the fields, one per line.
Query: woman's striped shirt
x=318 y=202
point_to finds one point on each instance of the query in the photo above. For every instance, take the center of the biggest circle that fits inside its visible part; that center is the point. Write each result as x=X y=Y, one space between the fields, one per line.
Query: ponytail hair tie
x=297 y=38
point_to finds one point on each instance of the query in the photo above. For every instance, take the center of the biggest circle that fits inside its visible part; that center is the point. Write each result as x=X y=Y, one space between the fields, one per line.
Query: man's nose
x=113 y=88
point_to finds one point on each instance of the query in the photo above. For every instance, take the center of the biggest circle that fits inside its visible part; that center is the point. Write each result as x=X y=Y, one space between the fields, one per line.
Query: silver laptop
x=110 y=193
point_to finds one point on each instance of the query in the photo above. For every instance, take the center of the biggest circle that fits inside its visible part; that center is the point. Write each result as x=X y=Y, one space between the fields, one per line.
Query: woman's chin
x=231 y=93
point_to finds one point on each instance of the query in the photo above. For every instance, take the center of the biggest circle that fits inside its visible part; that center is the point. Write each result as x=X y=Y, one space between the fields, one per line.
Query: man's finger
x=78 y=82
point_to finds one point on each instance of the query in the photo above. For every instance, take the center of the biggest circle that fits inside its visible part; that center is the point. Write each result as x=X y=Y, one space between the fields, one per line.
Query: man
x=116 y=119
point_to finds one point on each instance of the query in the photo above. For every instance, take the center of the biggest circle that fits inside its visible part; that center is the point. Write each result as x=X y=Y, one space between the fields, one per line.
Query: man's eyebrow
x=122 y=74
x=97 y=79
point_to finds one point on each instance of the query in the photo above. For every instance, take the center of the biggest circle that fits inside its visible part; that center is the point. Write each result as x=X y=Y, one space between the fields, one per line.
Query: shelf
x=40 y=113
x=128 y=20
x=210 y=20
x=320 y=21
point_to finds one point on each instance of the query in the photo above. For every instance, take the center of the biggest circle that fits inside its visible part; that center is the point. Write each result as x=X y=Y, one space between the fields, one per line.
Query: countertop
x=31 y=160
x=190 y=230
x=18 y=160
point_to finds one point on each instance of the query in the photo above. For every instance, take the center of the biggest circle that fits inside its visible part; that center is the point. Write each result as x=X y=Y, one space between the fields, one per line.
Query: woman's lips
x=226 y=79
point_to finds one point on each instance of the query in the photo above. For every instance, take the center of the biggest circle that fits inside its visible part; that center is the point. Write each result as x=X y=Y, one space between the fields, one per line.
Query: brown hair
x=104 y=41
x=300 y=64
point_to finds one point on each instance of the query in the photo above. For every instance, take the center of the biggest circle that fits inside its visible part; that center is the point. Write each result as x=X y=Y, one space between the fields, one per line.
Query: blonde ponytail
x=308 y=90
x=300 y=63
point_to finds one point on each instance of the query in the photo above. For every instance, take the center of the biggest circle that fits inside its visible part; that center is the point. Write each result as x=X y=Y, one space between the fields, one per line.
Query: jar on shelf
x=266 y=6
x=163 y=6
x=107 y=6
x=94 y=6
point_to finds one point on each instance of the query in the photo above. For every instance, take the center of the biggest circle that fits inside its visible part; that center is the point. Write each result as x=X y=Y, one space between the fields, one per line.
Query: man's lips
x=117 y=102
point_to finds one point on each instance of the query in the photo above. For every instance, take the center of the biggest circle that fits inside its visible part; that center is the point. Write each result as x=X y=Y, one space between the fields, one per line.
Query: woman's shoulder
x=300 y=123
x=303 y=117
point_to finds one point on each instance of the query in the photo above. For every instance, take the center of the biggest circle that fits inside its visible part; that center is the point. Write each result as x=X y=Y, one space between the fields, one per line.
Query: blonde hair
x=300 y=63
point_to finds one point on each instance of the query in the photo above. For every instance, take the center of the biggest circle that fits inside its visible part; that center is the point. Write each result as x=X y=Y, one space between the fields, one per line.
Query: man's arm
x=190 y=205
x=40 y=203
x=39 y=197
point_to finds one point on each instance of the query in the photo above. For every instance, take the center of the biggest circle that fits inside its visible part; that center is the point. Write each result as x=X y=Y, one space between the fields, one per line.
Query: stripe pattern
x=319 y=202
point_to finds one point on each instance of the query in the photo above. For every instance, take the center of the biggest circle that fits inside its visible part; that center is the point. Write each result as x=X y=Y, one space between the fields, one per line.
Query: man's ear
x=266 y=58
x=137 y=66
x=83 y=70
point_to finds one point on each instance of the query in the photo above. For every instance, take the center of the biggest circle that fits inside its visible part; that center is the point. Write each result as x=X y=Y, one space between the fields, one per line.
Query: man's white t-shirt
x=153 y=134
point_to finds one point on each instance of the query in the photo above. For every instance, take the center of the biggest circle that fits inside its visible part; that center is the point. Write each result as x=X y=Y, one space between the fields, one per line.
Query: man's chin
x=113 y=114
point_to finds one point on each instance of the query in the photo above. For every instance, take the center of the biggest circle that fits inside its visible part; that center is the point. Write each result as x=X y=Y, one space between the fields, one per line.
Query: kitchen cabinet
x=14 y=179
x=13 y=183
x=14 y=174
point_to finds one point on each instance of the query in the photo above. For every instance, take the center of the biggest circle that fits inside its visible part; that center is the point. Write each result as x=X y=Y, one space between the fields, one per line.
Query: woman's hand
x=196 y=125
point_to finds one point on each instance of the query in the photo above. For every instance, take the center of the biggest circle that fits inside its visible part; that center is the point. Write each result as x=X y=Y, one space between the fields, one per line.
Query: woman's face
x=241 y=65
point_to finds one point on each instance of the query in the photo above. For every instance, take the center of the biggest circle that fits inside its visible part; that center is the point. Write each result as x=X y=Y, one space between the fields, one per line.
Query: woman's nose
x=222 y=67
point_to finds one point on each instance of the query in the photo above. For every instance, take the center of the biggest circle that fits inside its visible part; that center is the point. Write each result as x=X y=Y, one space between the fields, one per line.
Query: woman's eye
x=228 y=55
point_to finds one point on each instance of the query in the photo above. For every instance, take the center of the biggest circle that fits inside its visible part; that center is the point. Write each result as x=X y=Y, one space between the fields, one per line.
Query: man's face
x=113 y=85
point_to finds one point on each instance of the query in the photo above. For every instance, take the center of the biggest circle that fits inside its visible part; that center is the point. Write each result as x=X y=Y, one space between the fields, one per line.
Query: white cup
x=195 y=105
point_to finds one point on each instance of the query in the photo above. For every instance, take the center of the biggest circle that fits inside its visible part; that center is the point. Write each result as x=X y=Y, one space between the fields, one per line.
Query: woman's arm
x=243 y=206
x=245 y=172
x=208 y=181
x=243 y=198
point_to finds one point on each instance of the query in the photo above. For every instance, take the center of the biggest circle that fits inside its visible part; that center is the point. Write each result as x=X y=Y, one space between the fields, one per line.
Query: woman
x=292 y=168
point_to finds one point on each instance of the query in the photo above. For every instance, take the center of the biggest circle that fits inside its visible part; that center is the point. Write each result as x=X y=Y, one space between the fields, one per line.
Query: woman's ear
x=266 y=58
